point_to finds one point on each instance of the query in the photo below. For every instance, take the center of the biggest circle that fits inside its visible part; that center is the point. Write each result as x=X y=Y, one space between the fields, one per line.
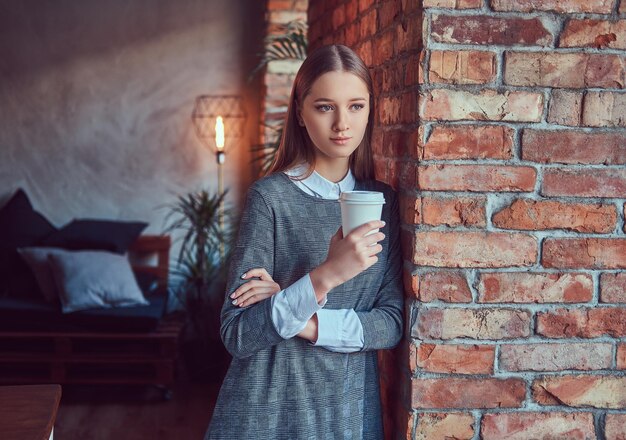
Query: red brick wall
x=502 y=124
x=279 y=75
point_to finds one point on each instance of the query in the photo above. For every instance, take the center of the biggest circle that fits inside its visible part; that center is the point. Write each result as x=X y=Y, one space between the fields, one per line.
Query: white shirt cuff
x=294 y=306
x=339 y=330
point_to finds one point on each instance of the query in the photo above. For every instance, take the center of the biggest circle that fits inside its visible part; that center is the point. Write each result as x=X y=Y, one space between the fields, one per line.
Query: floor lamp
x=219 y=121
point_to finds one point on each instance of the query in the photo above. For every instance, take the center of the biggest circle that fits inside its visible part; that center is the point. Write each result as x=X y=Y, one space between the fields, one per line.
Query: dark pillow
x=20 y=225
x=37 y=260
x=88 y=234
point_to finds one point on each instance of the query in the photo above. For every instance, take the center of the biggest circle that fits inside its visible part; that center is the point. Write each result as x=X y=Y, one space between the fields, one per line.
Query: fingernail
x=244 y=275
x=235 y=301
x=384 y=223
x=232 y=295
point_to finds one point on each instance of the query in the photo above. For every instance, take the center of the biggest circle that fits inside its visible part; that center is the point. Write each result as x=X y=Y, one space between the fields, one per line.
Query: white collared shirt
x=338 y=330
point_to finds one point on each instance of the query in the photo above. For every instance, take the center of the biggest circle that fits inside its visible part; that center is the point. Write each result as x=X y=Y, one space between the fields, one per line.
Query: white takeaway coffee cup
x=360 y=207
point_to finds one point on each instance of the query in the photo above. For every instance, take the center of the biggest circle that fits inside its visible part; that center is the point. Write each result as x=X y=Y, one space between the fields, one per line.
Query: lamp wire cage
x=208 y=107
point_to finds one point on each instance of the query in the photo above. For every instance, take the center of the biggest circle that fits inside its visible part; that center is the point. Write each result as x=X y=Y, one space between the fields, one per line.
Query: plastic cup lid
x=366 y=197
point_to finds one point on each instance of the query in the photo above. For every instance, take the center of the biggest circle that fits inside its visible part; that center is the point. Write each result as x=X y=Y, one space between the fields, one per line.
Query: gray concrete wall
x=96 y=98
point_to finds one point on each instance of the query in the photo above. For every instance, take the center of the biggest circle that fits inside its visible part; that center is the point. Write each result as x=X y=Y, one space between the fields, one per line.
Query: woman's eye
x=358 y=106
x=324 y=108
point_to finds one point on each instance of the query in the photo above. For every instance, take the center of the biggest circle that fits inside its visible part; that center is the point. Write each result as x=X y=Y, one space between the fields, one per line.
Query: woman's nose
x=341 y=122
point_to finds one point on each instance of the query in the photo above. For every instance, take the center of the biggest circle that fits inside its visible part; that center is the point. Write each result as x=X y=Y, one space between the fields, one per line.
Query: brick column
x=509 y=153
x=279 y=75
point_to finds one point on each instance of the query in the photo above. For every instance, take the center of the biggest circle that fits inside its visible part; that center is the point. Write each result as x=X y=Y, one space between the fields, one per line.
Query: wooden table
x=27 y=412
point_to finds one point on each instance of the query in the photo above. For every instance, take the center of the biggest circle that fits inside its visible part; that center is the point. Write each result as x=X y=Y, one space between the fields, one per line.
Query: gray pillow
x=94 y=279
x=37 y=260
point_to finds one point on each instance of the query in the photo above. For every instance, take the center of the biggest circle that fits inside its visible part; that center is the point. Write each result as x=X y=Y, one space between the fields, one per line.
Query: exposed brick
x=476 y=178
x=411 y=284
x=284 y=17
x=523 y=287
x=615 y=424
x=365 y=4
x=488 y=323
x=597 y=6
x=534 y=425
x=383 y=47
x=604 y=109
x=453 y=4
x=613 y=287
x=365 y=51
x=468 y=393
x=368 y=24
x=380 y=169
x=273 y=5
x=481 y=29
x=339 y=17
x=584 y=253
x=621 y=356
x=352 y=33
x=462 y=67
x=431 y=426
x=408 y=175
x=536 y=215
x=389 y=110
x=582 y=323
x=552 y=69
x=410 y=208
x=352 y=11
x=444 y=286
x=594 y=33
x=459 y=211
x=413 y=70
x=603 y=182
x=607 y=71
x=574 y=147
x=581 y=391
x=556 y=357
x=473 y=249
x=408 y=110
x=409 y=37
x=565 y=107
x=387 y=13
x=487 y=105
x=459 y=359
x=468 y=142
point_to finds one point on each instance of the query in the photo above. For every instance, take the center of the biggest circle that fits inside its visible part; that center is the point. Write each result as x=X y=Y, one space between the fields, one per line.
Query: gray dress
x=289 y=389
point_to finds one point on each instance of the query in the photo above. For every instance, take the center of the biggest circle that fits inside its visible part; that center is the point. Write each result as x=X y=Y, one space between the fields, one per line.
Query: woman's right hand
x=347 y=257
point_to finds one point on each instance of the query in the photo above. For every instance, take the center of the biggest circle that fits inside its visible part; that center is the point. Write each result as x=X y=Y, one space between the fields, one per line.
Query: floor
x=135 y=412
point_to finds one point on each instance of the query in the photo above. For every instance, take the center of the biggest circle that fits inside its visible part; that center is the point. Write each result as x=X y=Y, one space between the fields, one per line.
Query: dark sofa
x=40 y=343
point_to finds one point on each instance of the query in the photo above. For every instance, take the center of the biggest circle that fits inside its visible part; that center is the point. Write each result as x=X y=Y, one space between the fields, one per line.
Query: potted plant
x=199 y=278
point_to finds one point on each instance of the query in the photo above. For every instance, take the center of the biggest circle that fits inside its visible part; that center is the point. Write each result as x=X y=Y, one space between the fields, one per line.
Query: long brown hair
x=295 y=145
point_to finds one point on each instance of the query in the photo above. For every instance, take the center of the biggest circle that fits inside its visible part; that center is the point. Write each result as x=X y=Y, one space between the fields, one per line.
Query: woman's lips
x=340 y=141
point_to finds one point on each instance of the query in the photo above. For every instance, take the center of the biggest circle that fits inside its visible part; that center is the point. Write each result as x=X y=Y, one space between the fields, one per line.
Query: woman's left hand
x=254 y=291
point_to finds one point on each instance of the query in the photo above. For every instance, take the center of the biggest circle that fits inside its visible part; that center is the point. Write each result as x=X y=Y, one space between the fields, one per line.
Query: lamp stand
x=221 y=158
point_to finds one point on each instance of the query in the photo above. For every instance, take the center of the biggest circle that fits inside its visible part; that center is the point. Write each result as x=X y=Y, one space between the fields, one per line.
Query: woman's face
x=335 y=114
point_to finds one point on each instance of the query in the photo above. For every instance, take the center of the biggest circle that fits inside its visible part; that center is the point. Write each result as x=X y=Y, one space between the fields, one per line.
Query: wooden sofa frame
x=94 y=357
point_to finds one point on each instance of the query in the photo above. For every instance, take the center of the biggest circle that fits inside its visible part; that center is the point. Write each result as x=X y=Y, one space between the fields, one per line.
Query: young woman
x=307 y=308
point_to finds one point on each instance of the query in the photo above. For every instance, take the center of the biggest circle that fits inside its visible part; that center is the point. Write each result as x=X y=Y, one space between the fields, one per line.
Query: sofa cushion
x=37 y=259
x=18 y=314
x=20 y=225
x=106 y=235
x=93 y=279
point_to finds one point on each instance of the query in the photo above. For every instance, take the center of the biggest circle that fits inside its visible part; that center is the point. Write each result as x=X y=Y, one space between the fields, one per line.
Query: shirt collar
x=321 y=186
